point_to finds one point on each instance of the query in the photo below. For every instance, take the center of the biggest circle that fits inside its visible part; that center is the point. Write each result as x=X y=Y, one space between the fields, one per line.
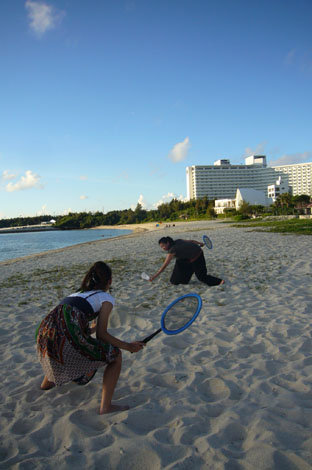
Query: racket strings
x=207 y=241
x=180 y=313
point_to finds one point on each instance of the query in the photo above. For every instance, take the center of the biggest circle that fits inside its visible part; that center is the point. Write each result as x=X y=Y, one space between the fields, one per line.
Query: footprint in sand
x=8 y=450
x=191 y=432
x=139 y=457
x=22 y=427
x=171 y=381
x=144 y=421
x=89 y=422
x=213 y=390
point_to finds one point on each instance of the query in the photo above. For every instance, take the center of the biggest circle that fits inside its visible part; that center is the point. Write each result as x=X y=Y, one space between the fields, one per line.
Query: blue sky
x=105 y=102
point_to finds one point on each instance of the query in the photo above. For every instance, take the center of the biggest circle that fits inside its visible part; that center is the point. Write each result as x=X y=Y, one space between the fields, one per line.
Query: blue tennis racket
x=179 y=315
x=207 y=242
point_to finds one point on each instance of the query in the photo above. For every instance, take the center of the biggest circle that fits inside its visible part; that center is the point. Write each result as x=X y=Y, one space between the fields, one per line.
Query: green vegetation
x=59 y=282
x=167 y=212
x=297 y=226
x=66 y=277
x=175 y=210
x=23 y=221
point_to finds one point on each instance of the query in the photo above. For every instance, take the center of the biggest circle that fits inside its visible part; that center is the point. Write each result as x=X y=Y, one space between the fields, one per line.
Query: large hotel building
x=221 y=180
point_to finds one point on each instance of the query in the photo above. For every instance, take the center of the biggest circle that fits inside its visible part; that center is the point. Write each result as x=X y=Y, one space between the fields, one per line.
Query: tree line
x=171 y=211
x=174 y=210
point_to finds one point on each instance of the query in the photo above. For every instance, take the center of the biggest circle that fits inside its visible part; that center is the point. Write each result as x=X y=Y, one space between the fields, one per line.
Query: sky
x=104 y=103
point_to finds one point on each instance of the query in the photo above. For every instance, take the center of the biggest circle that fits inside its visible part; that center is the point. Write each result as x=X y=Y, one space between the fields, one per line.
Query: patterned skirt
x=66 y=350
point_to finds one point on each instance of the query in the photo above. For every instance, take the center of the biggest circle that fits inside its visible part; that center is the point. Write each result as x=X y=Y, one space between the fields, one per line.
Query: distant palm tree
x=301 y=201
x=284 y=200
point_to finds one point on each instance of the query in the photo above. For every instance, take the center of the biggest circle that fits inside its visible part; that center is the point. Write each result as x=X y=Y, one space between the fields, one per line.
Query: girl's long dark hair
x=166 y=240
x=97 y=278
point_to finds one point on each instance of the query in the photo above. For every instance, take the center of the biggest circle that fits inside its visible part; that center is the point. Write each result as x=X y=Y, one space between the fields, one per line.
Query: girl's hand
x=136 y=346
x=92 y=328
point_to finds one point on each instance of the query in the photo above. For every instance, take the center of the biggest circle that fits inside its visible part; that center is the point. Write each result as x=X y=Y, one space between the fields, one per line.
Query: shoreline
x=26 y=229
x=57 y=250
x=137 y=229
x=147 y=226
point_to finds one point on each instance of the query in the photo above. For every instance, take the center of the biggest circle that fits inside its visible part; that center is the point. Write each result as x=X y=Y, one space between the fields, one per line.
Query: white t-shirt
x=95 y=298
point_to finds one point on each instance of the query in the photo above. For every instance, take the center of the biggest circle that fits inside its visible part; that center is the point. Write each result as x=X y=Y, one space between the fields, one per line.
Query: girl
x=65 y=348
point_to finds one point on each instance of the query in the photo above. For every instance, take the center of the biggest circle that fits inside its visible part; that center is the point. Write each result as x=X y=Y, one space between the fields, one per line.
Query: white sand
x=233 y=392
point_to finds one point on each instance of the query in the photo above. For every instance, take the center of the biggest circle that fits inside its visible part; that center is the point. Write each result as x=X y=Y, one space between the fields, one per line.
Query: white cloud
x=258 y=150
x=292 y=159
x=43 y=210
x=167 y=198
x=42 y=16
x=6 y=175
x=83 y=177
x=67 y=211
x=179 y=151
x=83 y=197
x=142 y=201
x=30 y=180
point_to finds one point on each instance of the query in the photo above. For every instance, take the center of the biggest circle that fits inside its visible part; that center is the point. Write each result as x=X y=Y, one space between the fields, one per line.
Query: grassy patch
x=297 y=226
x=66 y=279
x=58 y=278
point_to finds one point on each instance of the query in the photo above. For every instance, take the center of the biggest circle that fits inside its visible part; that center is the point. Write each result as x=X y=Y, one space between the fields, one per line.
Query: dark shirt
x=183 y=249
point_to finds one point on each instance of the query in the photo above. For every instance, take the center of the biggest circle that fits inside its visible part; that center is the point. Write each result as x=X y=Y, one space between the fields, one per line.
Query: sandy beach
x=233 y=392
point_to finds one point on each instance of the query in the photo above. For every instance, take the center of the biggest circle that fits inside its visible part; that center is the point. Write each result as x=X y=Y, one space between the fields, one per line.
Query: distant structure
x=252 y=196
x=221 y=204
x=280 y=187
x=221 y=180
x=249 y=195
x=299 y=177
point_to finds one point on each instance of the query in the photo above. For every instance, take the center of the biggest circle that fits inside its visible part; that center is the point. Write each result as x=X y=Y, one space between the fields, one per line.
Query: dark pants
x=184 y=269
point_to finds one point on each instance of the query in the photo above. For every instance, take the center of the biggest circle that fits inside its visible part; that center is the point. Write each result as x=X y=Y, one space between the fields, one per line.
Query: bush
x=241 y=217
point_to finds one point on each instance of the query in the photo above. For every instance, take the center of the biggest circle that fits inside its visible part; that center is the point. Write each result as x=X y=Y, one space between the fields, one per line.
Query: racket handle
x=148 y=338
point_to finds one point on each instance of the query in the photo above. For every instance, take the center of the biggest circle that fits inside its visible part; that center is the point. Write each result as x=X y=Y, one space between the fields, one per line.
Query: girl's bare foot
x=46 y=384
x=222 y=282
x=113 y=409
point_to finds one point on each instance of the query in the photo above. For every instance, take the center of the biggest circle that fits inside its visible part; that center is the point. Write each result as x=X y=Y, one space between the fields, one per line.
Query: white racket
x=145 y=276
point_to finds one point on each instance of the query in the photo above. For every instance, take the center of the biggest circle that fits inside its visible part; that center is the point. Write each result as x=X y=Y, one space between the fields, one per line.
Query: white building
x=280 y=187
x=221 y=180
x=249 y=195
x=252 y=197
x=221 y=204
x=299 y=177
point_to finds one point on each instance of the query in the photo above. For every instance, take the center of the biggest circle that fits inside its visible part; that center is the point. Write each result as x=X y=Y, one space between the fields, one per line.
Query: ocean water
x=15 y=245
